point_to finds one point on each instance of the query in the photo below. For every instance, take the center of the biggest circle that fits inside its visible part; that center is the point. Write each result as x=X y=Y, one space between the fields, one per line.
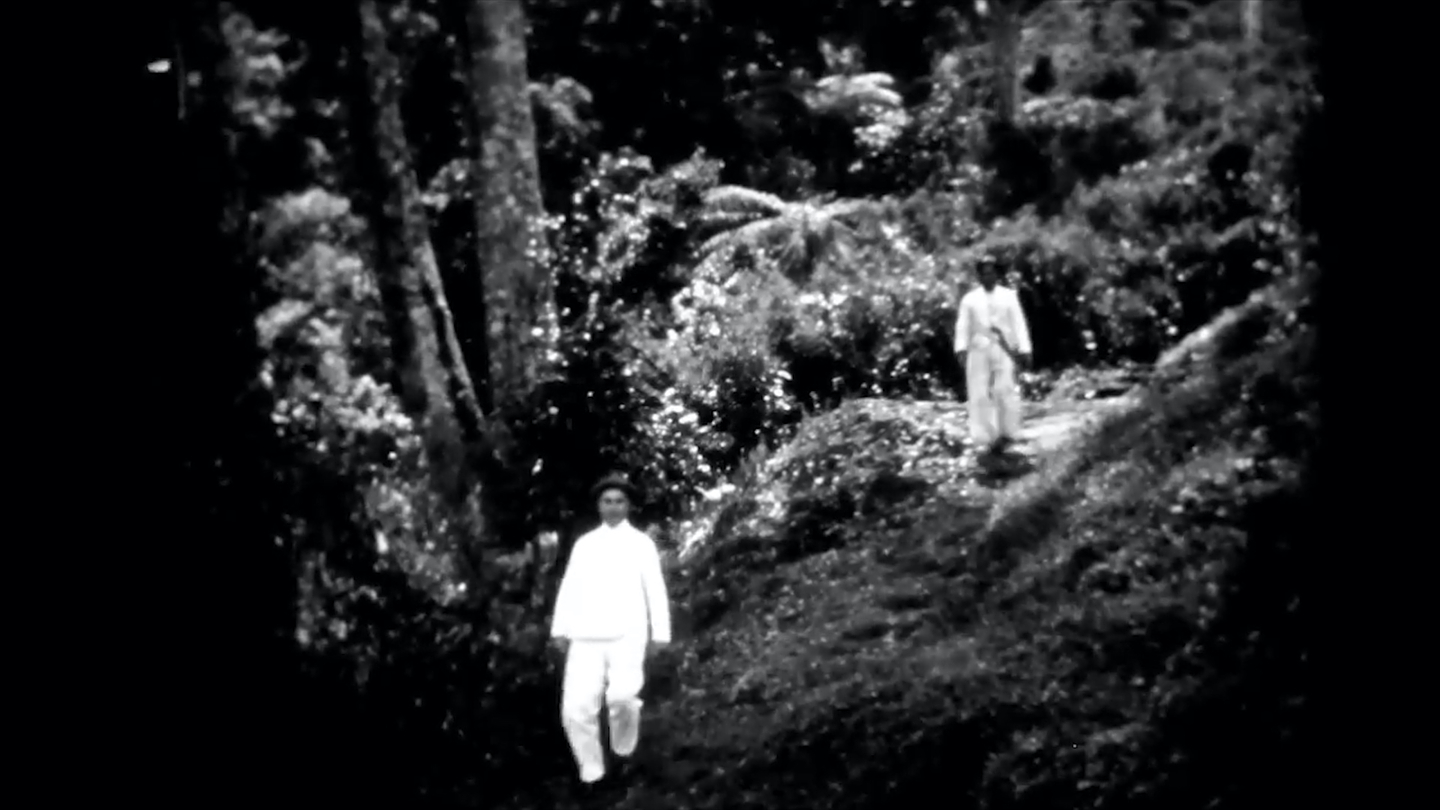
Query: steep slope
x=878 y=618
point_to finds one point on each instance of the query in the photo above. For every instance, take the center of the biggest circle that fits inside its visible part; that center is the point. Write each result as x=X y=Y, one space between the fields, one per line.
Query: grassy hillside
x=876 y=619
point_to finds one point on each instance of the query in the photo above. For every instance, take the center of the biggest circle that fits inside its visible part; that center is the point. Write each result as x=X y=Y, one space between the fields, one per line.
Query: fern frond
x=841 y=209
x=742 y=197
x=752 y=234
x=847 y=94
x=728 y=219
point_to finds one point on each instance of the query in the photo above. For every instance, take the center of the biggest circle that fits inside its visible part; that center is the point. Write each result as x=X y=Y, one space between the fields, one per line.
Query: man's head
x=987 y=272
x=613 y=497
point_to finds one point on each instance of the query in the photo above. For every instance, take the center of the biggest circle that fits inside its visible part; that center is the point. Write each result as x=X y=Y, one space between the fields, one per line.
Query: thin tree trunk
x=431 y=380
x=1253 y=21
x=1005 y=41
x=519 y=304
x=455 y=229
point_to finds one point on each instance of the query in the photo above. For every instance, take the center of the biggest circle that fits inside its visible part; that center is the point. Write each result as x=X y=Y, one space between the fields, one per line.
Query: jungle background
x=467 y=257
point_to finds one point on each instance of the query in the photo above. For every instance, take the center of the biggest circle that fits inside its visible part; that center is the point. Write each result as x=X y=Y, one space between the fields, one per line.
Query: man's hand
x=1022 y=359
x=1000 y=338
x=654 y=647
x=560 y=645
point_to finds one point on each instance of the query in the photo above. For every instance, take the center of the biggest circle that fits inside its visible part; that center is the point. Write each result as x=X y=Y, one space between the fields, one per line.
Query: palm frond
x=560 y=102
x=844 y=254
x=728 y=219
x=879 y=97
x=752 y=234
x=875 y=79
x=571 y=91
x=849 y=94
x=874 y=88
x=840 y=209
x=742 y=197
x=284 y=318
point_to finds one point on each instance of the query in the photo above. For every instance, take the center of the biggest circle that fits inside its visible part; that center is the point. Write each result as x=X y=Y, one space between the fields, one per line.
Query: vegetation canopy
x=479 y=254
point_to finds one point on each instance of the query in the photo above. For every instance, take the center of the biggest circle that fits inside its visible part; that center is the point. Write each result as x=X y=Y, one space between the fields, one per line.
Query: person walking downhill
x=991 y=338
x=611 y=613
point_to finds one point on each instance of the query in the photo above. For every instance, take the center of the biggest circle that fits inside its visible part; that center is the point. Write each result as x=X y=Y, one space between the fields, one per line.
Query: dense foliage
x=755 y=214
x=877 y=622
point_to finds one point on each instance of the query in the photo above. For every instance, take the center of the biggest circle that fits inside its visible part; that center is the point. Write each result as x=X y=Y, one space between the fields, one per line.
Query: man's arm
x=1022 y=328
x=560 y=622
x=656 y=596
x=962 y=326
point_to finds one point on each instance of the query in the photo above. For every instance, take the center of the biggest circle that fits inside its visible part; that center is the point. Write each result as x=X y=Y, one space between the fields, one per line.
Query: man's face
x=988 y=277
x=614 y=506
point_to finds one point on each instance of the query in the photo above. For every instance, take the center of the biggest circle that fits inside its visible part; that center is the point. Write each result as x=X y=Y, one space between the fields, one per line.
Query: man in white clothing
x=991 y=339
x=611 y=614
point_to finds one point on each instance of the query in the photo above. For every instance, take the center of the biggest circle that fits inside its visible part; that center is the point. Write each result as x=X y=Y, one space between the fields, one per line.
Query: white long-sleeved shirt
x=612 y=588
x=979 y=311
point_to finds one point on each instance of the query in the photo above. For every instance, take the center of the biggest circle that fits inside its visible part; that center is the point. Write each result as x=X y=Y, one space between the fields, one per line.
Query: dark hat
x=615 y=480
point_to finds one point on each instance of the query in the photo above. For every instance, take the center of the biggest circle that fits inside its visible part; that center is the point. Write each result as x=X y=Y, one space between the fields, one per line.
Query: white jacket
x=612 y=588
x=980 y=310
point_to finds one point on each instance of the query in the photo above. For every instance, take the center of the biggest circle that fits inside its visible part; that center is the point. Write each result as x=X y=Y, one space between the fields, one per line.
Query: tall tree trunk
x=1253 y=21
x=519 y=297
x=431 y=378
x=1005 y=42
x=454 y=232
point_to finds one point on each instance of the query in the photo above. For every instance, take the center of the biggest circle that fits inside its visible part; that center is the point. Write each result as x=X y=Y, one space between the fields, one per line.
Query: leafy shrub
x=750 y=350
x=356 y=464
x=1127 y=81
x=1140 y=258
x=842 y=474
x=618 y=262
x=1108 y=78
x=451 y=697
x=935 y=144
x=404 y=644
x=1056 y=144
x=1059 y=139
x=886 y=333
x=722 y=357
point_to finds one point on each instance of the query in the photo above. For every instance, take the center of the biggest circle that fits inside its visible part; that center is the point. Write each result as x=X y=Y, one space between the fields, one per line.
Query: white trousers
x=596 y=671
x=994 y=398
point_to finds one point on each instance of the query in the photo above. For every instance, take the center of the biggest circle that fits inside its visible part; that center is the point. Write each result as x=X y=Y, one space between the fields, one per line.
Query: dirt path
x=1047 y=428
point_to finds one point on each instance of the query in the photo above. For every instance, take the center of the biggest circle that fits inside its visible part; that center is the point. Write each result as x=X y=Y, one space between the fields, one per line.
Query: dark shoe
x=593 y=794
x=622 y=770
